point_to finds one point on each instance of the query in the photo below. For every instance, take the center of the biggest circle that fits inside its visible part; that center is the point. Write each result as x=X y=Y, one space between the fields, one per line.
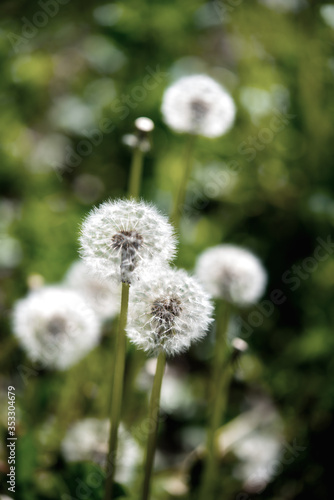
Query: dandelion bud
x=140 y=139
x=232 y=273
x=144 y=124
x=55 y=326
x=197 y=104
x=168 y=310
x=239 y=345
x=120 y=237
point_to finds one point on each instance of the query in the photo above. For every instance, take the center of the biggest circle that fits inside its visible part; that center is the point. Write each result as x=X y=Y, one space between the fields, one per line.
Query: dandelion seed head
x=197 y=104
x=103 y=296
x=55 y=326
x=232 y=273
x=120 y=237
x=168 y=310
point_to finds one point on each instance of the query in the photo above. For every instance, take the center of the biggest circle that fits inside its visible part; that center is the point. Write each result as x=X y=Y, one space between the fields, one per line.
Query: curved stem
x=153 y=423
x=136 y=173
x=222 y=372
x=117 y=391
x=181 y=195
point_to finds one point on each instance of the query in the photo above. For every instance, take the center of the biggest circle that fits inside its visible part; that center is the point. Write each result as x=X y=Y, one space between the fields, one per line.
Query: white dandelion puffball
x=55 y=326
x=103 y=296
x=168 y=310
x=259 y=453
x=198 y=105
x=232 y=273
x=88 y=440
x=119 y=237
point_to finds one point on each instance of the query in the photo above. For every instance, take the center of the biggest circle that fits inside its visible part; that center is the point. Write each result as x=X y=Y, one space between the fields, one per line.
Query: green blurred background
x=269 y=188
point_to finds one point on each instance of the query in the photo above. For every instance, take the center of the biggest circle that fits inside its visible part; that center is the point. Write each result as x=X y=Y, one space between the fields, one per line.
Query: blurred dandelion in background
x=86 y=440
x=55 y=326
x=232 y=273
x=198 y=105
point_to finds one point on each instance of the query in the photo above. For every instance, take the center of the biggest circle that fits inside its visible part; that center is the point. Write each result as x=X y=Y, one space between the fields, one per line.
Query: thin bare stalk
x=153 y=420
x=117 y=391
x=181 y=194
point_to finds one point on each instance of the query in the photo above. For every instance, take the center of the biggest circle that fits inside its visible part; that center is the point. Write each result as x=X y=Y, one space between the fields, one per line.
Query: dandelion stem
x=222 y=371
x=117 y=390
x=153 y=422
x=181 y=195
x=136 y=173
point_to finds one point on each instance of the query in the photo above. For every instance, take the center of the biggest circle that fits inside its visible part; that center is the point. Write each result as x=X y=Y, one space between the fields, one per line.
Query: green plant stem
x=153 y=422
x=181 y=194
x=222 y=371
x=136 y=173
x=117 y=390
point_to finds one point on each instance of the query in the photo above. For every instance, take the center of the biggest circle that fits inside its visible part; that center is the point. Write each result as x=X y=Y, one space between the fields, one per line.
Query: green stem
x=153 y=421
x=181 y=195
x=221 y=379
x=117 y=390
x=136 y=173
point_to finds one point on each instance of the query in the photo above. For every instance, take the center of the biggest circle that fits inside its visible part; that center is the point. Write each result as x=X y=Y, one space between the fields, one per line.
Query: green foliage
x=277 y=199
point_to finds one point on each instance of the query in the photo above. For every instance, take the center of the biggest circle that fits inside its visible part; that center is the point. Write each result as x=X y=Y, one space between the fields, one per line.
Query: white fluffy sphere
x=168 y=310
x=55 y=326
x=198 y=105
x=232 y=273
x=119 y=237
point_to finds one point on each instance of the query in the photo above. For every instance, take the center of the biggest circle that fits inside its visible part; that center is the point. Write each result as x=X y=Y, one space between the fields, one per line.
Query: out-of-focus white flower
x=88 y=440
x=103 y=296
x=119 y=237
x=168 y=310
x=256 y=437
x=55 y=326
x=72 y=114
x=177 y=394
x=232 y=273
x=259 y=453
x=213 y=181
x=327 y=13
x=10 y=251
x=284 y=5
x=102 y=54
x=107 y=14
x=197 y=104
x=260 y=102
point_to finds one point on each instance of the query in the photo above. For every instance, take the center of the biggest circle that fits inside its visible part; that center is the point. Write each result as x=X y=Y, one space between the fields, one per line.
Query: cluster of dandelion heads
x=102 y=296
x=168 y=310
x=87 y=439
x=198 y=105
x=120 y=237
x=55 y=326
x=232 y=273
